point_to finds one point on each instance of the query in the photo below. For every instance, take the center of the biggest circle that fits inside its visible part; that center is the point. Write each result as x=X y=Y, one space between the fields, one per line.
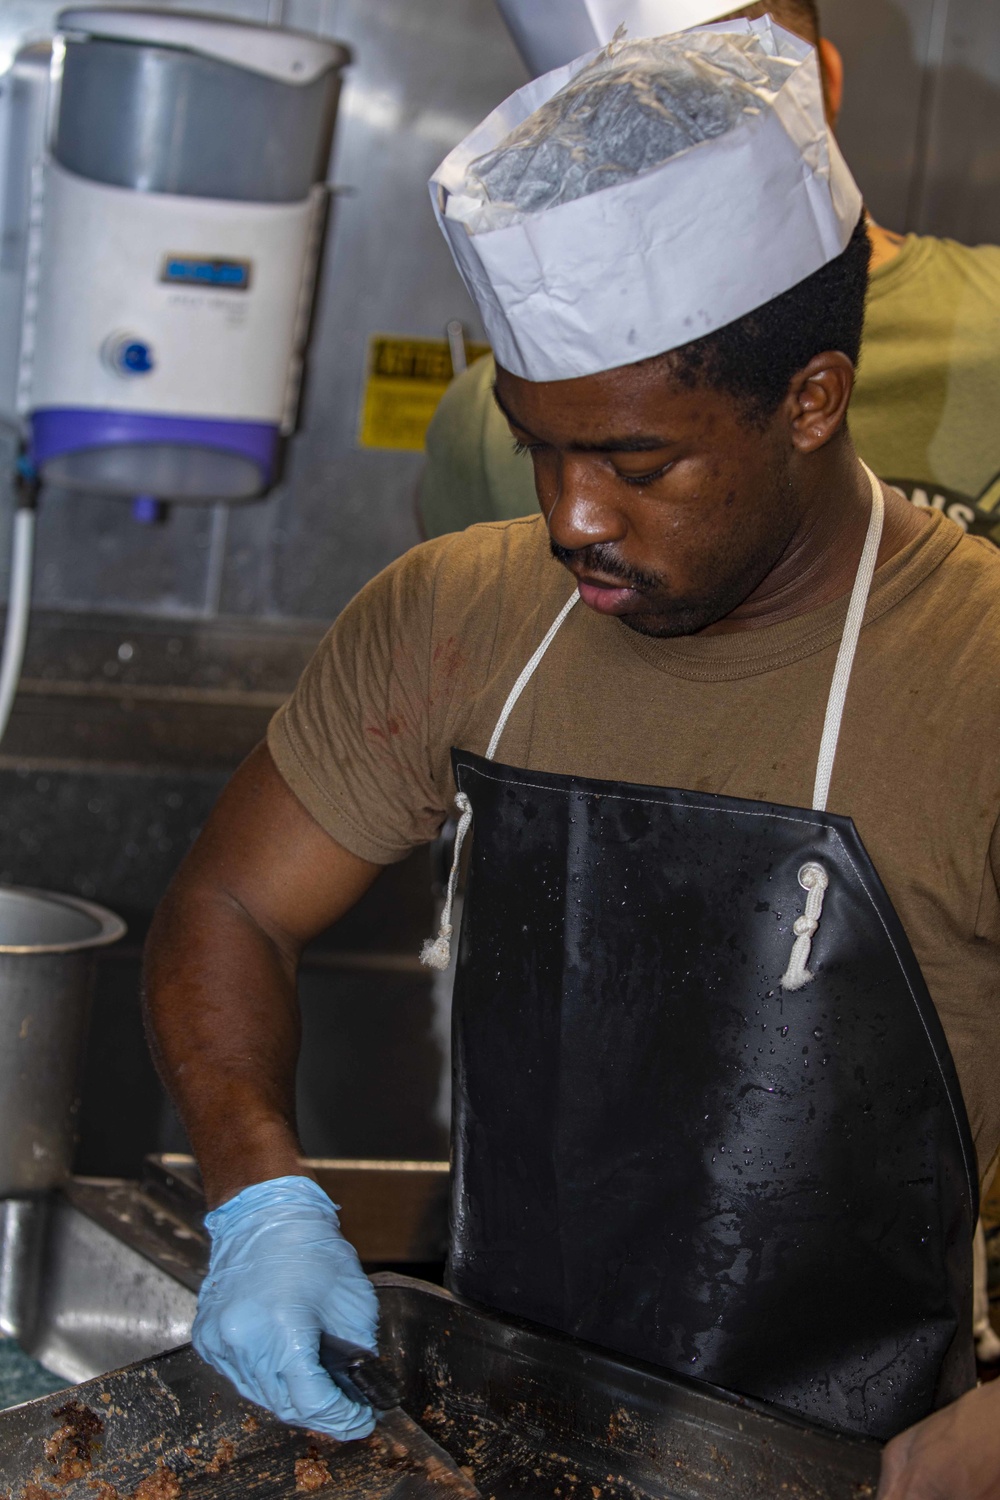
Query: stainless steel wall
x=921 y=123
x=920 y=126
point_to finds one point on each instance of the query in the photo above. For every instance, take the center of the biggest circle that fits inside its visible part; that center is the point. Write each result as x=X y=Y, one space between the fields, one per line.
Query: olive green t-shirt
x=924 y=413
x=424 y=657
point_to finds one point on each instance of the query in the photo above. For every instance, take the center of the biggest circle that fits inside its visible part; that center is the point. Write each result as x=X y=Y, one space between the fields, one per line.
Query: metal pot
x=47 y=945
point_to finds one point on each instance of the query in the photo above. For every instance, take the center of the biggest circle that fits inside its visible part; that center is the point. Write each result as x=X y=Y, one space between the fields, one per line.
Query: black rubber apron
x=704 y=1110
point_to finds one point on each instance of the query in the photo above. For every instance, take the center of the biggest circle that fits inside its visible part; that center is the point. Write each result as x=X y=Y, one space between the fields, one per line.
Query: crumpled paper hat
x=550 y=33
x=644 y=196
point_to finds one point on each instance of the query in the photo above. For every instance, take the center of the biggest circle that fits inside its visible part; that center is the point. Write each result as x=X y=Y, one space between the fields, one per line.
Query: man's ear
x=831 y=66
x=817 y=400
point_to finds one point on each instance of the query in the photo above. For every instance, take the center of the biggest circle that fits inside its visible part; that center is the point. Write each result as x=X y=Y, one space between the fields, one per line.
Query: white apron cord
x=813 y=878
x=436 y=952
x=526 y=676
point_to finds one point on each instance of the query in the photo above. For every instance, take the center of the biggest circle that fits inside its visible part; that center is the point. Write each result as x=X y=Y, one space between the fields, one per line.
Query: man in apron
x=725 y=1010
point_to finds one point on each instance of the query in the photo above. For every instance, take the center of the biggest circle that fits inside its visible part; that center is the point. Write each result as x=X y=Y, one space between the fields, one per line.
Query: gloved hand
x=281 y=1273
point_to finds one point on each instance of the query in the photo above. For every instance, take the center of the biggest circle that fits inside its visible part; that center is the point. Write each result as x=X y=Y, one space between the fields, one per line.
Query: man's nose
x=581 y=513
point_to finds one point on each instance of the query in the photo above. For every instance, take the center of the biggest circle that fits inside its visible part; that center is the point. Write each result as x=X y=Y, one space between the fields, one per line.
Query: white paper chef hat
x=551 y=33
x=716 y=186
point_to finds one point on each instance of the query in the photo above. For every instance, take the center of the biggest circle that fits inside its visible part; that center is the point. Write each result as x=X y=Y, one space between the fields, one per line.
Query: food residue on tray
x=163 y=1485
x=380 y=1443
x=621 y=1424
x=396 y=1455
x=311 y=1473
x=69 y=1449
x=223 y=1456
x=440 y=1473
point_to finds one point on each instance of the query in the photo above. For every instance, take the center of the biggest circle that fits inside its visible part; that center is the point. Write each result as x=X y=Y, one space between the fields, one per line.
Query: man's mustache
x=603 y=559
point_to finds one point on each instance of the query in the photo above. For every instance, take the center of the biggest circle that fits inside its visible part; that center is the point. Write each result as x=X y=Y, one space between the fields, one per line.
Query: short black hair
x=800 y=16
x=755 y=358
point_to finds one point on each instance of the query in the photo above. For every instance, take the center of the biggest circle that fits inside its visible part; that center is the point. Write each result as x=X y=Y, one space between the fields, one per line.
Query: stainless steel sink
x=81 y=1297
x=102 y=1303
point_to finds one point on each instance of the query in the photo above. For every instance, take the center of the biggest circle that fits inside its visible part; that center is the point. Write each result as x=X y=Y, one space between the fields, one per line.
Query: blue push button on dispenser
x=128 y=354
x=137 y=358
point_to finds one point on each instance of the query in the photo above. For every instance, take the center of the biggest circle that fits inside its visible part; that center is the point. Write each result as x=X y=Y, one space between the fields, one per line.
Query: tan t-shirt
x=425 y=656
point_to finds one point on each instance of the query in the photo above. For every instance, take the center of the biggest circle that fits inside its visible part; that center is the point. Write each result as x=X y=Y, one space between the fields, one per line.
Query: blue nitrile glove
x=281 y=1273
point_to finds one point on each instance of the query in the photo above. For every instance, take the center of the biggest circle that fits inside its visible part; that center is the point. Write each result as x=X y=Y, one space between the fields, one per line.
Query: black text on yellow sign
x=405 y=381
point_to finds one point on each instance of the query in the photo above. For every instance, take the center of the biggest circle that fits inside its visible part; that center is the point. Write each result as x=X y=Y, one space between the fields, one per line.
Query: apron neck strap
x=527 y=674
x=848 y=647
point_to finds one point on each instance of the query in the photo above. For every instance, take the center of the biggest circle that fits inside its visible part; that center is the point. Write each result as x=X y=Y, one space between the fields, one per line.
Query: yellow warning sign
x=406 y=379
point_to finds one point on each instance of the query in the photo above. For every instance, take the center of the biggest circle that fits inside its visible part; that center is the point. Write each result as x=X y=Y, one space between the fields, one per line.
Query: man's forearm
x=220 y=995
x=222 y=1012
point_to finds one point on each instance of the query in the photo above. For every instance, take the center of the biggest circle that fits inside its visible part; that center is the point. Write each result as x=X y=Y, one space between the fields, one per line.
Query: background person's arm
x=220 y=975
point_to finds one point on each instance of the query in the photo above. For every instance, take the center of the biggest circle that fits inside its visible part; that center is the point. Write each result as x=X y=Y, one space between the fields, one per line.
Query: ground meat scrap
x=161 y=1485
x=70 y=1449
x=225 y=1452
x=70 y=1456
x=311 y=1473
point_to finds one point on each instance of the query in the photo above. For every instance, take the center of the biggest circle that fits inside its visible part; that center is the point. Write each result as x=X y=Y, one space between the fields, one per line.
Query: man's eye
x=520 y=447
x=641 y=479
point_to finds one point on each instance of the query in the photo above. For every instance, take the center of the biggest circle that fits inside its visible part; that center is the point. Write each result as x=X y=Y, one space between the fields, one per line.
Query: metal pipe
x=22 y=1244
x=18 y=607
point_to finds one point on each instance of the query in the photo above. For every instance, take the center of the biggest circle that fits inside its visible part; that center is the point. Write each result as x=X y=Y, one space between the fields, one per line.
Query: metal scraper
x=414 y=1466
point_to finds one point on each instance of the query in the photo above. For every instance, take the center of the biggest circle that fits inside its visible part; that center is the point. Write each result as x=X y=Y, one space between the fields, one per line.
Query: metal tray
x=527 y=1412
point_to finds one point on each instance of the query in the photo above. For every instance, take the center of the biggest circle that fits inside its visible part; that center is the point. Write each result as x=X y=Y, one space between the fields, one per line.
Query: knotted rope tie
x=436 y=952
x=814 y=880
